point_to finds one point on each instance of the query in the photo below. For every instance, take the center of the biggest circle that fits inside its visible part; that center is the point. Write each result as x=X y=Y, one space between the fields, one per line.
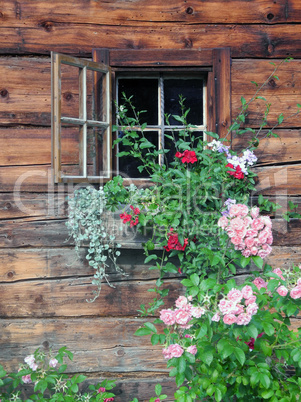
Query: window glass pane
x=170 y=143
x=96 y=158
x=145 y=97
x=128 y=166
x=70 y=91
x=70 y=150
x=192 y=91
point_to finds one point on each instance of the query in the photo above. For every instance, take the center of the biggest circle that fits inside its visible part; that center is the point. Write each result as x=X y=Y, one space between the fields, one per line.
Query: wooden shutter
x=81 y=123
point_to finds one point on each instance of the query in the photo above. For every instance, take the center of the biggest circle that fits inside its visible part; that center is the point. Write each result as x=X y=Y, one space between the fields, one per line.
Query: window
x=156 y=78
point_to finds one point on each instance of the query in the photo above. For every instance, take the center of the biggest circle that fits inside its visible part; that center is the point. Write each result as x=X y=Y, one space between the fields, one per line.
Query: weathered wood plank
x=78 y=39
x=24 y=205
x=67 y=298
x=24 y=264
x=94 y=350
x=273 y=150
x=137 y=13
x=54 y=233
x=279 y=180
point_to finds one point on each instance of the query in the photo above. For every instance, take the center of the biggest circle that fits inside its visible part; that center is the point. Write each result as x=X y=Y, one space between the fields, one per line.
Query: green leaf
x=41 y=386
x=158 y=389
x=155 y=339
x=150 y=257
x=252 y=331
x=267 y=394
x=258 y=261
x=195 y=279
x=143 y=332
x=268 y=328
x=244 y=261
x=265 y=381
x=201 y=331
x=207 y=357
x=151 y=326
x=181 y=364
x=240 y=355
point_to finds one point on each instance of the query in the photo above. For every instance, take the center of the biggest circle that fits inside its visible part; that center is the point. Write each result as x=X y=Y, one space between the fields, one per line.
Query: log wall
x=43 y=287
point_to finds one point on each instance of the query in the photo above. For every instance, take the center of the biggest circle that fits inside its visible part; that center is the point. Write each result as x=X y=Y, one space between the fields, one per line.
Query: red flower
x=187 y=156
x=133 y=219
x=251 y=343
x=173 y=242
x=238 y=174
x=125 y=217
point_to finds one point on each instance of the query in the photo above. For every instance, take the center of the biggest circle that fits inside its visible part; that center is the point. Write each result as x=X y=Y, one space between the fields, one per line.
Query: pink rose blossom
x=246 y=253
x=237 y=224
x=266 y=220
x=295 y=293
x=282 y=291
x=262 y=253
x=235 y=295
x=175 y=350
x=252 y=309
x=278 y=272
x=252 y=233
x=182 y=317
x=239 y=309
x=247 y=292
x=254 y=250
x=248 y=221
x=30 y=359
x=168 y=316
x=197 y=312
x=222 y=222
x=243 y=209
x=263 y=236
x=26 y=379
x=249 y=241
x=299 y=282
x=229 y=319
x=188 y=336
x=230 y=232
x=181 y=301
x=236 y=240
x=101 y=389
x=216 y=317
x=254 y=212
x=240 y=246
x=243 y=319
x=270 y=239
x=250 y=300
x=226 y=306
x=257 y=224
x=192 y=349
x=259 y=283
x=53 y=362
x=234 y=210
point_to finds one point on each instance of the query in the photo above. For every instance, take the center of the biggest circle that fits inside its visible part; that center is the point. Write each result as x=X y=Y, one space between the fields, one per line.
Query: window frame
x=216 y=62
x=83 y=122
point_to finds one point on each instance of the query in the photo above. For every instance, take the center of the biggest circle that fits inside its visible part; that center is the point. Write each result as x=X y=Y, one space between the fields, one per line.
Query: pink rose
x=247 y=292
x=243 y=319
x=182 y=317
x=188 y=336
x=249 y=241
x=267 y=248
x=197 y=312
x=26 y=379
x=240 y=246
x=226 y=306
x=216 y=317
x=166 y=353
x=263 y=236
x=241 y=232
x=257 y=224
x=101 y=389
x=246 y=253
x=252 y=309
x=252 y=233
x=262 y=253
x=222 y=222
x=296 y=292
x=299 y=282
x=243 y=209
x=248 y=221
x=266 y=220
x=181 y=301
x=53 y=362
x=192 y=349
x=254 y=250
x=168 y=316
x=236 y=240
x=278 y=272
x=254 y=212
x=259 y=283
x=235 y=295
x=30 y=359
x=282 y=290
x=175 y=350
x=234 y=210
x=239 y=309
x=229 y=319
x=270 y=239
x=250 y=300
x=237 y=224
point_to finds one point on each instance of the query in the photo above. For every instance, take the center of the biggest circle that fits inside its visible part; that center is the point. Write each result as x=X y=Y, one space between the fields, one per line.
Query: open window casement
x=81 y=120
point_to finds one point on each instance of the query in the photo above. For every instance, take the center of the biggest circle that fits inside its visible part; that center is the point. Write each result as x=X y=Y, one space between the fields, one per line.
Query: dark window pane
x=169 y=143
x=128 y=165
x=192 y=91
x=145 y=97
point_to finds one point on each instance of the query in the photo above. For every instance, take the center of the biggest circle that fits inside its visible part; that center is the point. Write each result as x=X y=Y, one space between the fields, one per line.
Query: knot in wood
x=67 y=96
x=10 y=274
x=270 y=16
x=272 y=83
x=188 y=43
x=224 y=123
x=47 y=25
x=120 y=352
x=4 y=93
x=270 y=49
x=189 y=10
x=1 y=15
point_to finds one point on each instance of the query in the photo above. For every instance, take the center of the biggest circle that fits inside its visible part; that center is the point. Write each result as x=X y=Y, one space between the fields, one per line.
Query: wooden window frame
x=57 y=119
x=215 y=62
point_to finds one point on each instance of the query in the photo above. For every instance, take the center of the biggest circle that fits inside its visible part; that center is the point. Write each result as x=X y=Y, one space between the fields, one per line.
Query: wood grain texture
x=265 y=41
x=67 y=298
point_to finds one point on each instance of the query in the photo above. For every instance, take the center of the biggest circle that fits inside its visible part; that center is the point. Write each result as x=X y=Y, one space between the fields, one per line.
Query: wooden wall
x=43 y=288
